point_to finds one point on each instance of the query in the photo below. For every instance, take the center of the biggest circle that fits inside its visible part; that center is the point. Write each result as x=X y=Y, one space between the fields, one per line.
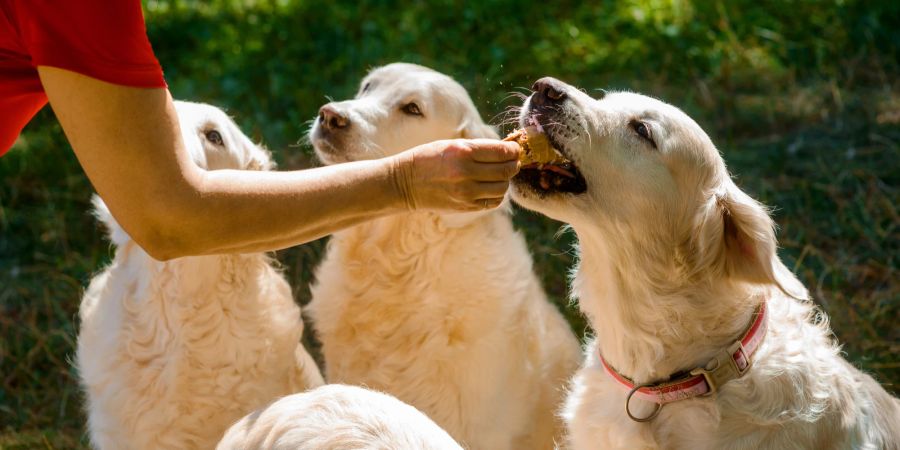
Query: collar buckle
x=728 y=364
x=724 y=367
x=733 y=350
x=709 y=380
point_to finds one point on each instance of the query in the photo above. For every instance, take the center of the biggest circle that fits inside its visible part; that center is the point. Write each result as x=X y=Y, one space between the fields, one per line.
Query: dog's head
x=652 y=178
x=397 y=107
x=214 y=142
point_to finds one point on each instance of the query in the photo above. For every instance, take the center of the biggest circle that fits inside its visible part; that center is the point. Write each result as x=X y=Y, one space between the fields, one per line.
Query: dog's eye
x=643 y=131
x=215 y=137
x=366 y=86
x=411 y=109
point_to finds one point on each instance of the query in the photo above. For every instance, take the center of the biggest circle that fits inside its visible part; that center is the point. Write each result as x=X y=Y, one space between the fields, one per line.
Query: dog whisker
x=513 y=94
x=509 y=116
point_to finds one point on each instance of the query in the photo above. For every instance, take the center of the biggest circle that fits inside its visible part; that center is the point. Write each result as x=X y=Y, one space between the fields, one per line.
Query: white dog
x=442 y=311
x=337 y=417
x=171 y=353
x=679 y=277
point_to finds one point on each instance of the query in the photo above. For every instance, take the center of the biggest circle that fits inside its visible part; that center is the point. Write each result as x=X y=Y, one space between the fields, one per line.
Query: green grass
x=802 y=98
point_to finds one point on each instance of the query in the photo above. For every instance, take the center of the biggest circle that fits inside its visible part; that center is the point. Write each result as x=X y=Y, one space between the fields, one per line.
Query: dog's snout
x=548 y=90
x=332 y=119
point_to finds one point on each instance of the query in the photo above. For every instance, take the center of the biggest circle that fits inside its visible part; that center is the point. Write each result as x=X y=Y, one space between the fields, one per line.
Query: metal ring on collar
x=628 y=408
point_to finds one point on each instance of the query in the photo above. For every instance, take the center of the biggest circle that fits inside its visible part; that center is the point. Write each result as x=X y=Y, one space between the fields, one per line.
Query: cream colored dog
x=171 y=353
x=675 y=263
x=336 y=417
x=441 y=310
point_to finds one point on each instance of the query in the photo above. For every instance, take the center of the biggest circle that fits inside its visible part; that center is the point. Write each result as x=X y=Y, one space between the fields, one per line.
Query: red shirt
x=103 y=39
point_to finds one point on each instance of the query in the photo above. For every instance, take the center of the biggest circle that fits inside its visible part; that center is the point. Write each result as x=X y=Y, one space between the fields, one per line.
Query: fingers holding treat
x=535 y=147
x=542 y=166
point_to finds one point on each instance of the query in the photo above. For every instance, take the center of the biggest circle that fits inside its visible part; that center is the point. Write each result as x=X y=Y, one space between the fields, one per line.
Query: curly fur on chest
x=171 y=353
x=448 y=318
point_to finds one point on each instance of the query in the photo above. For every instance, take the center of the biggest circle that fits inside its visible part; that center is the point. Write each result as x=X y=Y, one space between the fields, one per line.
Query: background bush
x=802 y=98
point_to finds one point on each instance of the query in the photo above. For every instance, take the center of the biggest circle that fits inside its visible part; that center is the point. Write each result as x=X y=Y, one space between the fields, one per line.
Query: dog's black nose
x=548 y=90
x=332 y=119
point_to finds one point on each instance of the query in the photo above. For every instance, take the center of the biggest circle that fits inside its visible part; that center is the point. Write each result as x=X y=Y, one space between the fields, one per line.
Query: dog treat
x=535 y=147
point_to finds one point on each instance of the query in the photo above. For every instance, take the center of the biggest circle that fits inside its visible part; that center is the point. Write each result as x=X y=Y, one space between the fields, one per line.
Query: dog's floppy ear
x=117 y=235
x=261 y=159
x=749 y=249
x=475 y=128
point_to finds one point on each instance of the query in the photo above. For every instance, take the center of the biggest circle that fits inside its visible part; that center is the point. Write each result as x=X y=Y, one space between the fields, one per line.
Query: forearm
x=129 y=142
x=262 y=211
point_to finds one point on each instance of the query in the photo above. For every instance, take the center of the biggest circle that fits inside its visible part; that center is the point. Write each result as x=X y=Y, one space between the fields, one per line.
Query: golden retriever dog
x=172 y=353
x=441 y=310
x=703 y=336
x=337 y=417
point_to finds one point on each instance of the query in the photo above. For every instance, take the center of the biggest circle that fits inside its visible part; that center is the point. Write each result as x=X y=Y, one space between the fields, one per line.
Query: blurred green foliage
x=276 y=61
x=802 y=97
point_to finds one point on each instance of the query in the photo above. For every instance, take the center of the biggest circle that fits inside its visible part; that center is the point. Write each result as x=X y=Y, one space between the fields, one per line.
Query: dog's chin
x=328 y=158
x=558 y=206
x=331 y=150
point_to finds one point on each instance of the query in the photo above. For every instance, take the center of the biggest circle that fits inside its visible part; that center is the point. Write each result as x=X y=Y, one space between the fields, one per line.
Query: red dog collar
x=727 y=365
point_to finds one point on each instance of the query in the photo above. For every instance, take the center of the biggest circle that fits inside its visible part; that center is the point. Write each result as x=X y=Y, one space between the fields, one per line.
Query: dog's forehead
x=399 y=70
x=642 y=106
x=405 y=79
x=202 y=117
x=672 y=119
x=674 y=130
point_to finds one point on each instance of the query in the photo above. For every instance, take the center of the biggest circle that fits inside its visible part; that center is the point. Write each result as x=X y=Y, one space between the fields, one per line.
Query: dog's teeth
x=537 y=124
x=545 y=181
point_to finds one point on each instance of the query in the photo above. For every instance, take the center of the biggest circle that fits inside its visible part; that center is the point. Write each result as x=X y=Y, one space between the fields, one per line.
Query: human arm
x=129 y=144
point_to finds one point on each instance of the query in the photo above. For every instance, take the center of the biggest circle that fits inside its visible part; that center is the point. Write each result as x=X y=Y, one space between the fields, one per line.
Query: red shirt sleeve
x=103 y=39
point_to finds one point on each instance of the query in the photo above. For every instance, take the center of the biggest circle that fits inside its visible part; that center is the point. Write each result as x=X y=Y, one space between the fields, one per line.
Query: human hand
x=455 y=175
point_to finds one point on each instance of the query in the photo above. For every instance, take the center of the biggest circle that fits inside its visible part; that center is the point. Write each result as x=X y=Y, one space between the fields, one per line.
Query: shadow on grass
x=804 y=103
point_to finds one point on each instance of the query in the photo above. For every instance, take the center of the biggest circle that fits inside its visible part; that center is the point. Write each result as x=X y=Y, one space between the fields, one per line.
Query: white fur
x=171 y=353
x=674 y=258
x=337 y=417
x=442 y=311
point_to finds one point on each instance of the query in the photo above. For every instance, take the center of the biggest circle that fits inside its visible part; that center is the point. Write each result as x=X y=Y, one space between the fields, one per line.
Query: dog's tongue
x=560 y=170
x=536 y=125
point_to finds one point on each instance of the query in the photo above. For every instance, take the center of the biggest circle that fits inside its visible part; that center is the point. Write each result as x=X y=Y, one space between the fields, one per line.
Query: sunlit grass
x=803 y=102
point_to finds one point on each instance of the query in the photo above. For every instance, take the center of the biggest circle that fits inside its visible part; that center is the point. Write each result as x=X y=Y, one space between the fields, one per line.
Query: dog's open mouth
x=545 y=168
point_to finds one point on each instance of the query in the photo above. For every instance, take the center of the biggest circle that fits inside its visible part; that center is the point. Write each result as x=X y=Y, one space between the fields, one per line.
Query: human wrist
x=399 y=181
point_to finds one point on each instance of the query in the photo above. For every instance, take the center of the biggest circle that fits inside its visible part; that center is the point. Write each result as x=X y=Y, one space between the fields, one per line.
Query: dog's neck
x=422 y=225
x=191 y=273
x=648 y=321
